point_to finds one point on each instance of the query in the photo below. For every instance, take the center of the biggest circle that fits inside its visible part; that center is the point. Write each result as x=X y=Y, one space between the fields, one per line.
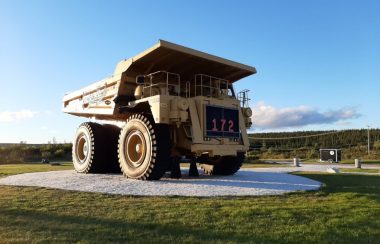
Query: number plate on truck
x=221 y=122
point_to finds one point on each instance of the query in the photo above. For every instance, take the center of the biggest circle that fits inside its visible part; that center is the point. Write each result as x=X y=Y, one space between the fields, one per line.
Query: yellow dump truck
x=167 y=104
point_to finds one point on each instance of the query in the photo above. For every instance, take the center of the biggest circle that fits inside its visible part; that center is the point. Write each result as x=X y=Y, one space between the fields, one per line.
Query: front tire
x=144 y=148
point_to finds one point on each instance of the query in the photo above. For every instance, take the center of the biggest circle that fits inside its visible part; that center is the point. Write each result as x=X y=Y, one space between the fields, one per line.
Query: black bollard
x=175 y=169
x=193 y=171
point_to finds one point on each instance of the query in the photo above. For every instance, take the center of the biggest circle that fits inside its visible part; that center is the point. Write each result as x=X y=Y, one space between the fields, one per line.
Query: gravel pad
x=243 y=183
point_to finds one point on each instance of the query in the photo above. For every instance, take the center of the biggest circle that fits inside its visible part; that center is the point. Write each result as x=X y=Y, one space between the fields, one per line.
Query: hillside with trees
x=279 y=145
x=22 y=152
x=306 y=144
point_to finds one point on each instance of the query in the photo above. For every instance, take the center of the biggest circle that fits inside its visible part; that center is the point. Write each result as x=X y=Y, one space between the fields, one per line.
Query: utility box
x=330 y=155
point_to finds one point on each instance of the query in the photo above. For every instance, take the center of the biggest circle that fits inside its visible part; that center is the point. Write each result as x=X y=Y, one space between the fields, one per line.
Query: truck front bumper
x=218 y=150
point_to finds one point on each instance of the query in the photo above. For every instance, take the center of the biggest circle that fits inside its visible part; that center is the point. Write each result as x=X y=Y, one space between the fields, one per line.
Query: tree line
x=306 y=144
x=22 y=152
x=274 y=145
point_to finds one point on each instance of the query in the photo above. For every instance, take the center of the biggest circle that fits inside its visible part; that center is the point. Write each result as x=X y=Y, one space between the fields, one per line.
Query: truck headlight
x=247 y=112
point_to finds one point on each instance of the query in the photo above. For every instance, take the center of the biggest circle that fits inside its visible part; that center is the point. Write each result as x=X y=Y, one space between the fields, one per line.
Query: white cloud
x=268 y=117
x=48 y=130
x=23 y=114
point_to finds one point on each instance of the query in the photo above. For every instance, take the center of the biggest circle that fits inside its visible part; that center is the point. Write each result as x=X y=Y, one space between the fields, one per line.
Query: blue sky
x=318 y=62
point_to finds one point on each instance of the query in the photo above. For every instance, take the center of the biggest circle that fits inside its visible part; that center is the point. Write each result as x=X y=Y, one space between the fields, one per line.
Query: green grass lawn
x=11 y=169
x=346 y=161
x=267 y=163
x=345 y=210
x=355 y=170
x=264 y=165
x=364 y=161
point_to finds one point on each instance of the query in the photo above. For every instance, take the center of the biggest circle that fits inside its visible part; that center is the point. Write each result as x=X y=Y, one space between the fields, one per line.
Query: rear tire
x=144 y=148
x=88 y=147
x=225 y=165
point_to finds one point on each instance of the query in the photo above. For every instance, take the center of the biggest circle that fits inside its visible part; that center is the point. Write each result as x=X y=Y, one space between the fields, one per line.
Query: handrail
x=213 y=86
x=243 y=98
x=210 y=86
x=168 y=74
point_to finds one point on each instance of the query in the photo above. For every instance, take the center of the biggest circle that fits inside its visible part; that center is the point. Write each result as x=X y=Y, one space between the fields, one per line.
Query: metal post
x=151 y=84
x=296 y=162
x=358 y=163
x=368 y=141
x=201 y=85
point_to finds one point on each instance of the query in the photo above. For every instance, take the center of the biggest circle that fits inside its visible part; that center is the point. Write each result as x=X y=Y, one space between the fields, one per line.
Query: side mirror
x=140 y=80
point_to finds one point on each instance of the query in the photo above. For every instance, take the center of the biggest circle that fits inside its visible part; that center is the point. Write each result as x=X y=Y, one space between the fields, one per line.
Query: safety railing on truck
x=210 y=86
x=167 y=83
x=160 y=83
x=242 y=96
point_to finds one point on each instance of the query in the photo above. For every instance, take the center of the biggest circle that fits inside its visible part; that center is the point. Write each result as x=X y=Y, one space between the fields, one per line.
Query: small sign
x=222 y=122
x=330 y=155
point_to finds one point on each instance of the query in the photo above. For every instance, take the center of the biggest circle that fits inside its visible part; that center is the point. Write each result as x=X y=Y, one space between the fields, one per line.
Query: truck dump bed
x=101 y=99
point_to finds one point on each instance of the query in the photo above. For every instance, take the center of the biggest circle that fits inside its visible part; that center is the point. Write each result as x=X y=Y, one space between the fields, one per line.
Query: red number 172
x=223 y=121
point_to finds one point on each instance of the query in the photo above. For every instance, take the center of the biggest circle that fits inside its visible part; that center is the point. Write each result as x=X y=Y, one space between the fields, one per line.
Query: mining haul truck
x=166 y=105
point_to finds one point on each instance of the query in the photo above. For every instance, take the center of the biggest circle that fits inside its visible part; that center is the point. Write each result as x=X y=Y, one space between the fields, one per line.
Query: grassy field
x=355 y=170
x=11 y=169
x=346 y=161
x=364 y=161
x=264 y=165
x=345 y=210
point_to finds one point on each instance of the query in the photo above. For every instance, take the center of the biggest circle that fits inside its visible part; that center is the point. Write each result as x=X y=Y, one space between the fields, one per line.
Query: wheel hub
x=135 y=148
x=82 y=148
x=85 y=149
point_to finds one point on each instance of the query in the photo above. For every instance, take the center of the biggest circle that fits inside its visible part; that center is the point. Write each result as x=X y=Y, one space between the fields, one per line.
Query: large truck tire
x=225 y=165
x=111 y=162
x=88 y=146
x=144 y=148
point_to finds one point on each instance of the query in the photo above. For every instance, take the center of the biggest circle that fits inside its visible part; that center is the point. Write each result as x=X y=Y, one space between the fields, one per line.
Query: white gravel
x=245 y=182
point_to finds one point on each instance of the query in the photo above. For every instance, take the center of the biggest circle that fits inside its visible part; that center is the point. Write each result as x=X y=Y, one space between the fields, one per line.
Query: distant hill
x=22 y=152
x=308 y=143
x=303 y=144
x=314 y=139
x=16 y=144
